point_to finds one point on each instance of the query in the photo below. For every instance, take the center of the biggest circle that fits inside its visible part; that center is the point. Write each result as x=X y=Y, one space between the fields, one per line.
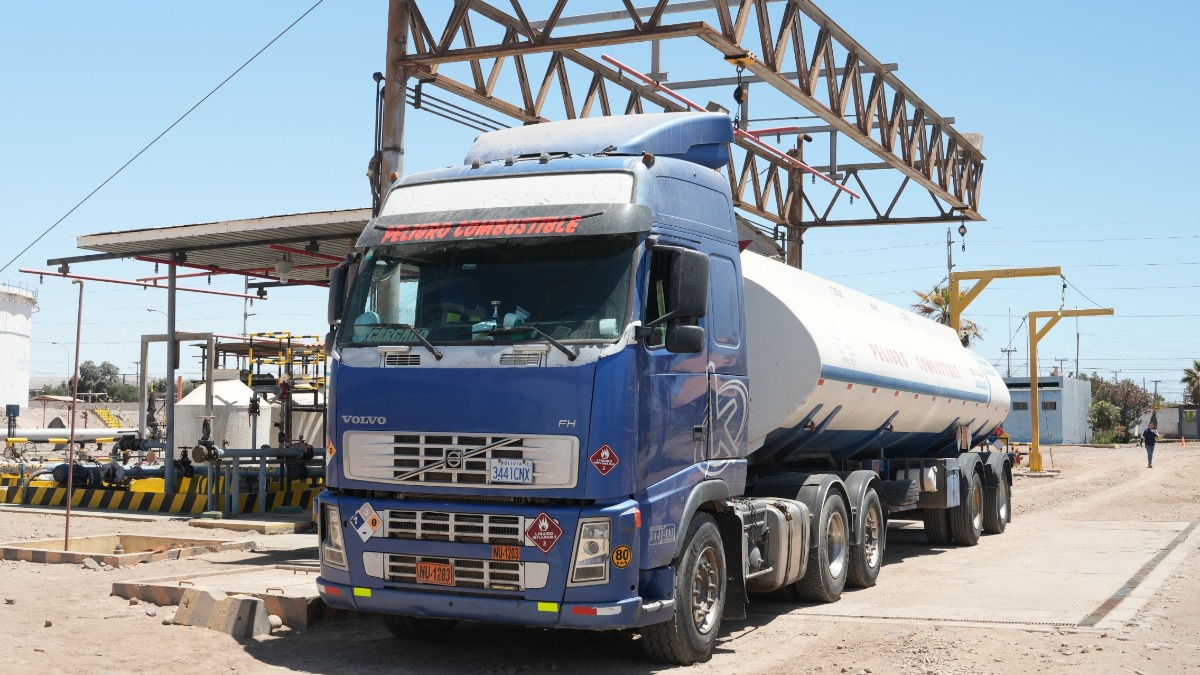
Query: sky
x=1085 y=167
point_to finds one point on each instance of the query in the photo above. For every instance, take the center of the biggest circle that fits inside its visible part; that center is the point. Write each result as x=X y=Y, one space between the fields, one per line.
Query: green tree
x=935 y=305
x=1191 y=382
x=1104 y=417
x=1130 y=400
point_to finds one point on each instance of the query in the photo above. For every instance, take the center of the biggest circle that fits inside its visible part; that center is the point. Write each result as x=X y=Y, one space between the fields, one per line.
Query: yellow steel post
x=983 y=278
x=1035 y=336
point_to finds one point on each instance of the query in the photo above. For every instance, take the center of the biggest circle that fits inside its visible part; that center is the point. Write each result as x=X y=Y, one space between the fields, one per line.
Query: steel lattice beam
x=795 y=49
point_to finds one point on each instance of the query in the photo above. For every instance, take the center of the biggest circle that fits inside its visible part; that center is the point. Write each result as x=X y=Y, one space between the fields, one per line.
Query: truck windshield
x=571 y=289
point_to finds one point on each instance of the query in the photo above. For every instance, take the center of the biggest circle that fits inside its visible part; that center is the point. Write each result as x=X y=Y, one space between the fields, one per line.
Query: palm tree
x=935 y=305
x=1191 y=380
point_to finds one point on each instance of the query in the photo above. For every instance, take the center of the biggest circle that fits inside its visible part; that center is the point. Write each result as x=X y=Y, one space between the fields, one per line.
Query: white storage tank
x=231 y=414
x=17 y=302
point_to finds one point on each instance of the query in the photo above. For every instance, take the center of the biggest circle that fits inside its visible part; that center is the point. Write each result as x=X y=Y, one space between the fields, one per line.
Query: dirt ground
x=62 y=618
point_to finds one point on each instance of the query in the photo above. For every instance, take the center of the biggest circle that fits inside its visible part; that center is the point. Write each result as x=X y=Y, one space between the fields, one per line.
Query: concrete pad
x=1067 y=573
x=288 y=591
x=260 y=526
x=241 y=616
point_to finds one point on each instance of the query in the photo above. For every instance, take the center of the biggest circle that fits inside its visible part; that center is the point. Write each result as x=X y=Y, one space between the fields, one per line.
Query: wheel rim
x=1003 y=501
x=706 y=590
x=871 y=538
x=976 y=501
x=835 y=543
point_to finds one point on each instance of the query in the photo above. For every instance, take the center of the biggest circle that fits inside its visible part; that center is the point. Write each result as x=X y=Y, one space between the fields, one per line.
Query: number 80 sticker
x=621 y=557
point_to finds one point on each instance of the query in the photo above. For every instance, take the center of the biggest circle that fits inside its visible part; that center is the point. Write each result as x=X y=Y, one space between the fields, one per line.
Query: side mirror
x=684 y=339
x=337 y=292
x=689 y=284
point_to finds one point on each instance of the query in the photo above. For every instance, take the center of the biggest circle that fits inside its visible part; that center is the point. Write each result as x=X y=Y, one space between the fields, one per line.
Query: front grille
x=520 y=359
x=473 y=528
x=448 y=459
x=399 y=359
x=497 y=575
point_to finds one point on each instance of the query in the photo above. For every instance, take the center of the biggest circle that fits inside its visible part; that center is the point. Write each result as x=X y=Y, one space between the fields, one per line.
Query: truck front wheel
x=417 y=628
x=825 y=576
x=699 y=599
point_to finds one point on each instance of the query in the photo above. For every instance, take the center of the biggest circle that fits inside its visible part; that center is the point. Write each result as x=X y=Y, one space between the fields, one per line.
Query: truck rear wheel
x=825 y=576
x=418 y=628
x=867 y=558
x=937 y=526
x=699 y=599
x=996 y=505
x=966 y=519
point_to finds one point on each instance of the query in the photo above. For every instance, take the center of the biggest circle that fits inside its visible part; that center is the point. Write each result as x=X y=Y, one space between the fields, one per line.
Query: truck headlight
x=333 y=546
x=593 y=542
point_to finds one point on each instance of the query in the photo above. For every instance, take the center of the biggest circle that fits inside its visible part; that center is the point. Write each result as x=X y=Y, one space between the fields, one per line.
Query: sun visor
x=513 y=223
x=701 y=138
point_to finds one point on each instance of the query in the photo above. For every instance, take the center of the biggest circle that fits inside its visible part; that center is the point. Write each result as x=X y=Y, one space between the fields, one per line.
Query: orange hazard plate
x=506 y=553
x=435 y=573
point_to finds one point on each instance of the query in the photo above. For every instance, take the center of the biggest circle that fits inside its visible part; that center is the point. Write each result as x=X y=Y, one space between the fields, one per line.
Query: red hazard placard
x=543 y=532
x=604 y=459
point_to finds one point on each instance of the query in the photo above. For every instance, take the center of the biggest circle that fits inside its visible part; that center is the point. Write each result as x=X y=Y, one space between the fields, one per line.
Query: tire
x=937 y=526
x=966 y=519
x=825 y=576
x=688 y=637
x=866 y=558
x=901 y=492
x=418 y=628
x=997 y=506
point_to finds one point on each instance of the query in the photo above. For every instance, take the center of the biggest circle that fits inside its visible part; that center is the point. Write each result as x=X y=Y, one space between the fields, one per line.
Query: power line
x=156 y=138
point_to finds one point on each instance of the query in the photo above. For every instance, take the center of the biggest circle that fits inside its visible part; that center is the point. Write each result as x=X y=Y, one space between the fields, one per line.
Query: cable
x=156 y=138
x=1068 y=283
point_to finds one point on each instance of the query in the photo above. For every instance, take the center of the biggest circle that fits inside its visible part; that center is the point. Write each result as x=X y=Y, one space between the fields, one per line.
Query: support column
x=794 y=252
x=394 y=95
x=172 y=345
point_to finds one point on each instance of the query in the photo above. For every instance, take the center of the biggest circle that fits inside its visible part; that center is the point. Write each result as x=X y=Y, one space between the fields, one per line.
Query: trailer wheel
x=966 y=519
x=418 y=628
x=688 y=637
x=825 y=577
x=996 y=505
x=937 y=526
x=867 y=558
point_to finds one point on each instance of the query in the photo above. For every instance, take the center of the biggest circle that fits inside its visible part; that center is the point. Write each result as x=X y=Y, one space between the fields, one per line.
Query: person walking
x=1150 y=435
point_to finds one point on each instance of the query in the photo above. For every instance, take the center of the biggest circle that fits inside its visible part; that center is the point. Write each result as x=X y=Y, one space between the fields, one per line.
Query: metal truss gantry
x=789 y=45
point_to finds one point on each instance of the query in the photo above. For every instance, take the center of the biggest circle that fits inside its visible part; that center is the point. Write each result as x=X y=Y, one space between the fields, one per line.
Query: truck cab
x=531 y=375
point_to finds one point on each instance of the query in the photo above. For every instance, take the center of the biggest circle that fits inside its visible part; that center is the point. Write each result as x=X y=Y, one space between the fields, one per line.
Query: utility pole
x=1154 y=403
x=1115 y=373
x=1008 y=351
x=1077 y=346
x=1060 y=362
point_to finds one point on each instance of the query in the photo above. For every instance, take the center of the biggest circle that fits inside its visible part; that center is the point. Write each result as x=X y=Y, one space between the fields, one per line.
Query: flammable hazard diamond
x=604 y=459
x=543 y=532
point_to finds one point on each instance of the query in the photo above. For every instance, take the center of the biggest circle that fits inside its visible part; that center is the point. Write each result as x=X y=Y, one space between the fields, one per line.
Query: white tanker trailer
x=837 y=372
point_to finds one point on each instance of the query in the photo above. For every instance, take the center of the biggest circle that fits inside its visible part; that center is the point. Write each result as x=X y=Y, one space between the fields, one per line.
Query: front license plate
x=506 y=553
x=518 y=471
x=435 y=573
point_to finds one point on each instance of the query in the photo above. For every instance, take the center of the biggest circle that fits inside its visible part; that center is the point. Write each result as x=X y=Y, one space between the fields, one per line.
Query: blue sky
x=1088 y=167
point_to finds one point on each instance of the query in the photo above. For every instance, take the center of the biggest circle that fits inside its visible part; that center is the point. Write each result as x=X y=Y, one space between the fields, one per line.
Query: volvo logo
x=356 y=419
x=454 y=458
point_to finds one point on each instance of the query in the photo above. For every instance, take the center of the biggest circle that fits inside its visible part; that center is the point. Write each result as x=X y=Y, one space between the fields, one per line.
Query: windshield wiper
x=428 y=345
x=572 y=354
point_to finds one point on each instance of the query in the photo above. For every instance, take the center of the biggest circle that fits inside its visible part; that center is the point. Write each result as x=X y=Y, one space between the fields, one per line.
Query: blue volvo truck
x=563 y=395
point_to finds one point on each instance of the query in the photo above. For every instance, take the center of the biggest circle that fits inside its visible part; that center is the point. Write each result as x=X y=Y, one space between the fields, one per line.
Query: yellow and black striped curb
x=154 y=502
